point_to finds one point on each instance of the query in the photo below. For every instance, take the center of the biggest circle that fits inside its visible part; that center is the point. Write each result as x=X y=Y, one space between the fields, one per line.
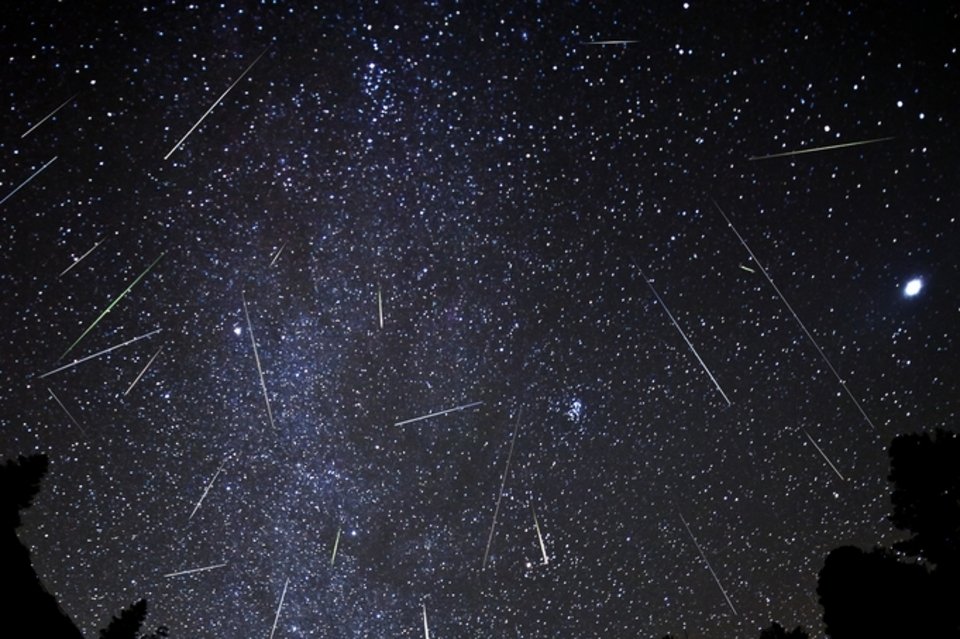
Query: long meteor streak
x=134 y=382
x=796 y=317
x=256 y=356
x=214 y=105
x=543 y=548
x=438 y=413
x=709 y=567
x=280 y=607
x=824 y=455
x=195 y=570
x=112 y=304
x=75 y=422
x=604 y=43
x=817 y=149
x=336 y=544
x=685 y=338
x=79 y=259
x=27 y=181
x=426 y=628
x=380 y=304
x=503 y=482
x=99 y=353
x=49 y=115
x=207 y=489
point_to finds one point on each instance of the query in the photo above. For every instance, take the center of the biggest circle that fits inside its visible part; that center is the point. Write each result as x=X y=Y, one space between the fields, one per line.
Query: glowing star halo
x=913 y=287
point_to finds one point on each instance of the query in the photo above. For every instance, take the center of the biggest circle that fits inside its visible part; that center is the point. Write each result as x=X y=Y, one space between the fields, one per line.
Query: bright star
x=913 y=287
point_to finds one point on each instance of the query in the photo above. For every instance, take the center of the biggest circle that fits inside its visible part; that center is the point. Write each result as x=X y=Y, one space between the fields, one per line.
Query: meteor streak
x=27 y=181
x=543 y=549
x=194 y=570
x=134 y=382
x=824 y=455
x=747 y=269
x=336 y=544
x=76 y=423
x=438 y=413
x=213 y=106
x=98 y=354
x=277 y=618
x=796 y=317
x=277 y=255
x=709 y=567
x=79 y=259
x=49 y=115
x=112 y=304
x=207 y=489
x=426 y=628
x=817 y=149
x=685 y=338
x=503 y=482
x=256 y=356
x=380 y=304
x=604 y=43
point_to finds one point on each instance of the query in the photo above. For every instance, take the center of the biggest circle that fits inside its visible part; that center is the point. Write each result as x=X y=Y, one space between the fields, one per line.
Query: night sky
x=500 y=187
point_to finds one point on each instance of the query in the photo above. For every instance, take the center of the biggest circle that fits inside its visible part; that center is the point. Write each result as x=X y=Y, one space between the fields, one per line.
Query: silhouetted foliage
x=776 y=631
x=21 y=482
x=26 y=608
x=127 y=625
x=925 y=472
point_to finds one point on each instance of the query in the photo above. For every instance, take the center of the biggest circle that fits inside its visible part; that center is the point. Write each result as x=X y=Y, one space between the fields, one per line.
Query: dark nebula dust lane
x=523 y=319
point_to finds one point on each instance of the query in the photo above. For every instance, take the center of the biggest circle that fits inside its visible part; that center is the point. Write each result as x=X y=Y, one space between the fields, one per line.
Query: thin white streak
x=685 y=338
x=438 y=413
x=824 y=455
x=134 y=383
x=195 y=570
x=820 y=148
x=709 y=567
x=103 y=352
x=806 y=332
x=76 y=423
x=214 y=105
x=79 y=259
x=27 y=181
x=503 y=483
x=49 y=115
x=256 y=356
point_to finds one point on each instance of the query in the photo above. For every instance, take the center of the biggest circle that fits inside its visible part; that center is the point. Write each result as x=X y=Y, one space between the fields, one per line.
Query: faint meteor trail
x=685 y=338
x=426 y=628
x=134 y=382
x=207 y=489
x=709 y=567
x=75 y=422
x=796 y=317
x=49 y=115
x=503 y=482
x=27 y=181
x=747 y=269
x=256 y=356
x=99 y=353
x=824 y=455
x=214 y=105
x=112 y=304
x=380 y=304
x=277 y=255
x=817 y=149
x=438 y=413
x=336 y=544
x=604 y=43
x=79 y=259
x=195 y=570
x=543 y=548
x=280 y=607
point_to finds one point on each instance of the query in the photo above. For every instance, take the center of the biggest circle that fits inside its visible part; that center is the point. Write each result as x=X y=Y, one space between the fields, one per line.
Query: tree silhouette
x=127 y=625
x=776 y=631
x=925 y=472
x=27 y=609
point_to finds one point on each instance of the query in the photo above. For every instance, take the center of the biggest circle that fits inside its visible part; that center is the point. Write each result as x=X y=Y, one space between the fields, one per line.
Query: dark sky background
x=501 y=183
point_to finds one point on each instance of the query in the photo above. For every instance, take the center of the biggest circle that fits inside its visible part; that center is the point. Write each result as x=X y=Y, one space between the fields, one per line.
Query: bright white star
x=913 y=287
